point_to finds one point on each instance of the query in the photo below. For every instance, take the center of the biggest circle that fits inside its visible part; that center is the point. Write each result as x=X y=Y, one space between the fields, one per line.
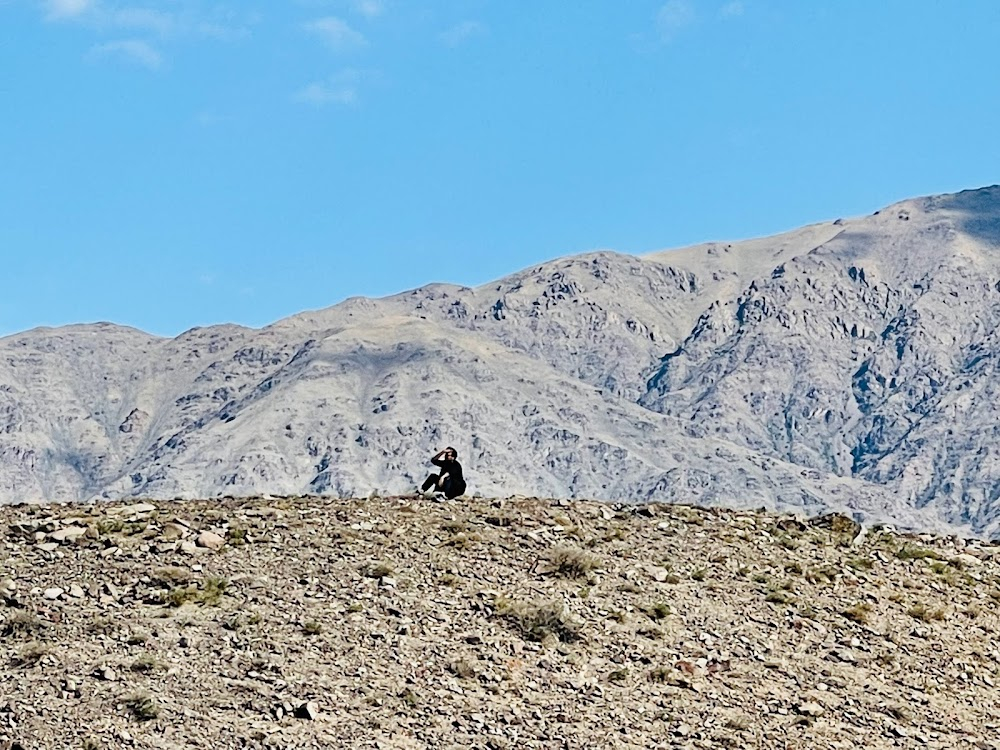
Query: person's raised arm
x=437 y=460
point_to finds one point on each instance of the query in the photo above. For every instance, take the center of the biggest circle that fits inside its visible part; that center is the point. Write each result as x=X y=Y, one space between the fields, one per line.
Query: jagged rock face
x=869 y=356
x=844 y=365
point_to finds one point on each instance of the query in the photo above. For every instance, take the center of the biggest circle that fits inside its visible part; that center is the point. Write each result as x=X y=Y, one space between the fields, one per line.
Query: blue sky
x=187 y=162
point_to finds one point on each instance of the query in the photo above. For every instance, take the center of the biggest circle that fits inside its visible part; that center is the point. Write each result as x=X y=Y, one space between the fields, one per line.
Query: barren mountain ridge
x=846 y=365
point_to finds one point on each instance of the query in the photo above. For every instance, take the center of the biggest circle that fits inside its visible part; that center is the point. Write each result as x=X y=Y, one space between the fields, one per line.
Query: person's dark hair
x=454 y=453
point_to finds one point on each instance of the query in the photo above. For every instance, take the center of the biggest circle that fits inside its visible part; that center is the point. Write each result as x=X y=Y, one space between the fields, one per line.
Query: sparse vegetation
x=145 y=664
x=739 y=722
x=926 y=614
x=30 y=654
x=463 y=540
x=861 y=563
x=110 y=525
x=210 y=593
x=808 y=611
x=378 y=570
x=858 y=613
x=142 y=706
x=823 y=574
x=913 y=552
x=649 y=631
x=172 y=576
x=463 y=668
x=787 y=542
x=213 y=589
x=236 y=536
x=178 y=597
x=658 y=610
x=102 y=624
x=21 y=622
x=571 y=562
x=634 y=629
x=536 y=621
x=777 y=597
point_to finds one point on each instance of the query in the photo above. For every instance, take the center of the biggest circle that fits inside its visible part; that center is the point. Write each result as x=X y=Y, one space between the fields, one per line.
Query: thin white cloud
x=130 y=50
x=732 y=9
x=221 y=31
x=337 y=33
x=210 y=119
x=63 y=10
x=181 y=18
x=674 y=16
x=144 y=19
x=341 y=88
x=462 y=32
x=368 y=8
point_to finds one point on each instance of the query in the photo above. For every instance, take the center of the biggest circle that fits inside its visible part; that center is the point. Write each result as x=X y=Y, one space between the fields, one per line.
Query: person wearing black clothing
x=450 y=481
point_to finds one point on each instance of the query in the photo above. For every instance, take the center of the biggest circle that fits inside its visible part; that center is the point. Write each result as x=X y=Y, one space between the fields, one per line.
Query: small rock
x=842 y=655
x=810 y=708
x=69 y=534
x=173 y=531
x=53 y=593
x=308 y=711
x=387 y=582
x=964 y=560
x=133 y=510
x=210 y=540
x=48 y=546
x=187 y=548
x=76 y=591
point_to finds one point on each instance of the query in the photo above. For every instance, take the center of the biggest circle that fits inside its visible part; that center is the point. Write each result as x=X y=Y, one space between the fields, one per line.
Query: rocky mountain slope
x=846 y=365
x=519 y=623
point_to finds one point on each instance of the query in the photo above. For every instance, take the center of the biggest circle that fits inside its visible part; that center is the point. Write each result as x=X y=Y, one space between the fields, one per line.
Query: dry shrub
x=537 y=621
x=571 y=562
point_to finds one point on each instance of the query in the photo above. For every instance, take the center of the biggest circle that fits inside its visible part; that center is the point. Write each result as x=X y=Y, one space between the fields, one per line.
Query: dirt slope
x=517 y=623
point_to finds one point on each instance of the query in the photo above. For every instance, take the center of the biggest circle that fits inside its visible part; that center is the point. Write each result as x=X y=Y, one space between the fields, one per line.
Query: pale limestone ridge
x=846 y=365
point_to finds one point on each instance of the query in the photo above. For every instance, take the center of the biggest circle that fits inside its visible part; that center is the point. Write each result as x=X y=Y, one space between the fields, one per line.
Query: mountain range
x=848 y=365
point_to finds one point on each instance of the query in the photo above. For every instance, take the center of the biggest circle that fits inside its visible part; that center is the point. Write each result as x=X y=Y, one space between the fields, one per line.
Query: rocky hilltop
x=519 y=623
x=847 y=365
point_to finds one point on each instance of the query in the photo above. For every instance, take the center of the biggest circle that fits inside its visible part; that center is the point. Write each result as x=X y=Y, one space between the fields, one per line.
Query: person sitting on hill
x=450 y=481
